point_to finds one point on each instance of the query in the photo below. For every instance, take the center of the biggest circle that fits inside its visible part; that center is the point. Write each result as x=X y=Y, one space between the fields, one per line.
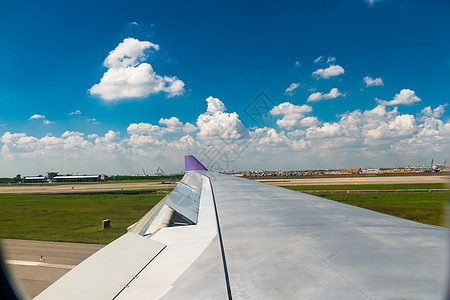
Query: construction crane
x=440 y=167
x=162 y=171
x=144 y=172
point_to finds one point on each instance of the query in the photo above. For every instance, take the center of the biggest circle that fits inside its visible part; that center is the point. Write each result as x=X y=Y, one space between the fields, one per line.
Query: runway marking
x=39 y=264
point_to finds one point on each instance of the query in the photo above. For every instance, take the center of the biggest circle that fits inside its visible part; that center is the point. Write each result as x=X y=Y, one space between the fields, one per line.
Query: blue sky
x=377 y=97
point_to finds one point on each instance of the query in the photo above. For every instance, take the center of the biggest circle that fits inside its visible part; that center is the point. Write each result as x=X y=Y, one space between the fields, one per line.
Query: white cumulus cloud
x=327 y=130
x=434 y=113
x=270 y=139
x=72 y=133
x=372 y=2
x=37 y=117
x=215 y=105
x=109 y=138
x=291 y=88
x=331 y=59
x=173 y=124
x=400 y=126
x=333 y=70
x=378 y=136
x=405 y=97
x=186 y=143
x=45 y=147
x=373 y=81
x=77 y=112
x=318 y=59
x=293 y=115
x=144 y=135
x=215 y=122
x=129 y=53
x=144 y=129
x=374 y=132
x=128 y=76
x=334 y=93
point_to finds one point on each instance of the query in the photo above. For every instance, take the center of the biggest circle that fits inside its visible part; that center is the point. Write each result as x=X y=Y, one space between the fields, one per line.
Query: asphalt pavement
x=82 y=188
x=35 y=273
x=130 y=186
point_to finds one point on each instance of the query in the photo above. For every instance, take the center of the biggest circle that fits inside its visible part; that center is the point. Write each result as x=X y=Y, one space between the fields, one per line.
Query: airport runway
x=24 y=259
x=358 y=180
x=82 y=188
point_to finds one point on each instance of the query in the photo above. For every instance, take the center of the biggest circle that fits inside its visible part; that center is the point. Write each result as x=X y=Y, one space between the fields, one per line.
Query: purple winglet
x=192 y=164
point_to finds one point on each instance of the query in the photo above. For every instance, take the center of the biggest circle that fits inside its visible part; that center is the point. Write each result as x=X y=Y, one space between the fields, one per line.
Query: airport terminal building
x=53 y=177
x=79 y=178
x=34 y=179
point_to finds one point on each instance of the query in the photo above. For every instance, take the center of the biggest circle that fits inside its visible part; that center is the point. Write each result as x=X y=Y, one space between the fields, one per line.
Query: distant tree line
x=16 y=179
x=5 y=180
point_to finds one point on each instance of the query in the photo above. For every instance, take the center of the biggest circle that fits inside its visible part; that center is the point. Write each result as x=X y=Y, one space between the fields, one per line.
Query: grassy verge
x=406 y=186
x=71 y=218
x=426 y=207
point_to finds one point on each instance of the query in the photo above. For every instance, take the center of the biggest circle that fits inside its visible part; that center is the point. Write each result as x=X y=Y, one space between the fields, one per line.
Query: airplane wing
x=221 y=237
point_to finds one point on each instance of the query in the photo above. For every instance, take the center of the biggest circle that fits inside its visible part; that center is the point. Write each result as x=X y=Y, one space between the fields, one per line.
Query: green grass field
x=407 y=186
x=71 y=218
x=424 y=207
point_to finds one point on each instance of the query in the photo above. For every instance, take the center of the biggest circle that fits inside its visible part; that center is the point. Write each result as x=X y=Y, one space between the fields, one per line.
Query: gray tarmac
x=23 y=257
x=82 y=188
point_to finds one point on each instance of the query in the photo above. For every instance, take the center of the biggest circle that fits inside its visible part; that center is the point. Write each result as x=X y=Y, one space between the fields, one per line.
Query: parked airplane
x=221 y=237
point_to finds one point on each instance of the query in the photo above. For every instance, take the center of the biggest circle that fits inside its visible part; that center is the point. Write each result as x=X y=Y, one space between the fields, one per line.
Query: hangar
x=79 y=178
x=34 y=179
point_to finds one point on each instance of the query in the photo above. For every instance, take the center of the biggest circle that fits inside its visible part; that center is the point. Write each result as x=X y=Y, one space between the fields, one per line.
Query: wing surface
x=282 y=244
